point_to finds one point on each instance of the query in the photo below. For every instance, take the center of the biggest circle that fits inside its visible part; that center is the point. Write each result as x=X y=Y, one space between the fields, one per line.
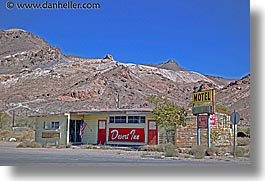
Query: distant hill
x=169 y=65
x=36 y=77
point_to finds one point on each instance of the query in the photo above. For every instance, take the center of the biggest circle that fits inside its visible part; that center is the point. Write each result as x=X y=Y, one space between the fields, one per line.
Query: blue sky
x=207 y=36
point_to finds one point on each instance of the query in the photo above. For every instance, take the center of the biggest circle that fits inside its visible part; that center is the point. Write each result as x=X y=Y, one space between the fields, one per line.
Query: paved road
x=12 y=156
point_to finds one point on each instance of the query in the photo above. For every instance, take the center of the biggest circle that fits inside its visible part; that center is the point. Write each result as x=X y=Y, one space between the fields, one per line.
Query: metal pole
x=234 y=134
x=234 y=140
x=0 y=120
x=209 y=131
x=198 y=132
x=68 y=129
x=75 y=130
x=13 y=118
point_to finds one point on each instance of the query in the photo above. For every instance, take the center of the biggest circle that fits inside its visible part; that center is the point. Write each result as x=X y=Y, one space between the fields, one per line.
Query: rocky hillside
x=36 y=77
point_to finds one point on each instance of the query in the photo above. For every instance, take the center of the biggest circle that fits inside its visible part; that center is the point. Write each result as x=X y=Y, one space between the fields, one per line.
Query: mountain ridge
x=43 y=79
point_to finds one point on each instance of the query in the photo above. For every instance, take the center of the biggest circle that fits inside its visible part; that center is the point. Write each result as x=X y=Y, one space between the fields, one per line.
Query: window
x=111 y=119
x=142 y=119
x=117 y=119
x=46 y=125
x=55 y=125
x=136 y=119
x=131 y=119
x=120 y=119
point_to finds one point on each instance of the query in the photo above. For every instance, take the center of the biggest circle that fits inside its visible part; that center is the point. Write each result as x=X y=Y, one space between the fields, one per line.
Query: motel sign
x=203 y=96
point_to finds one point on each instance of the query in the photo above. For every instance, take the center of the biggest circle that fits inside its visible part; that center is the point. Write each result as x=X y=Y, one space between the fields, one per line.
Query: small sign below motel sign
x=212 y=119
x=202 y=121
x=202 y=109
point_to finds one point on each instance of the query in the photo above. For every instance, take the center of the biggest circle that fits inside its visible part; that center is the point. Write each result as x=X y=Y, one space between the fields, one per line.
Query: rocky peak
x=170 y=65
x=13 y=41
x=14 y=30
x=108 y=56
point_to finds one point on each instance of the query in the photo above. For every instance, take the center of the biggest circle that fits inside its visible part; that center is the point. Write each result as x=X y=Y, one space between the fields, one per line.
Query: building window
x=120 y=119
x=117 y=119
x=111 y=119
x=55 y=125
x=136 y=119
x=131 y=119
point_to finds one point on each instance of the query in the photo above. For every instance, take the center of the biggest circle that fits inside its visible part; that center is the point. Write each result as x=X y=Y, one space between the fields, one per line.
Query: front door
x=75 y=131
x=152 y=132
x=102 y=132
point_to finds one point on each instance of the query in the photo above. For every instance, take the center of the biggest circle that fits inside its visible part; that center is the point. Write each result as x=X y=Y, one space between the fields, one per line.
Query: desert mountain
x=169 y=65
x=36 y=77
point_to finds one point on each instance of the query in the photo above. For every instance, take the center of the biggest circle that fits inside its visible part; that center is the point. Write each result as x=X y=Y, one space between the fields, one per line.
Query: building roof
x=114 y=111
x=98 y=111
x=51 y=114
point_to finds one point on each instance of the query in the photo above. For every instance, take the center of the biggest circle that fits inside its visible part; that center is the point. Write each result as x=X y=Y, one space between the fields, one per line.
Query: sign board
x=202 y=109
x=234 y=117
x=126 y=134
x=212 y=119
x=203 y=96
x=50 y=135
x=202 y=121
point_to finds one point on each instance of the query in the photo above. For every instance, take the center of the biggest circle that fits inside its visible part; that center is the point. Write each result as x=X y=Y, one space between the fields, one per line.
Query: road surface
x=12 y=156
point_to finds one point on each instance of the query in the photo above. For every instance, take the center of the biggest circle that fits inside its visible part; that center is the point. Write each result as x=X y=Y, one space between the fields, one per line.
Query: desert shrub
x=31 y=144
x=21 y=136
x=198 y=151
x=63 y=146
x=168 y=146
x=168 y=149
x=241 y=151
x=22 y=145
x=5 y=134
x=214 y=136
x=243 y=129
x=213 y=151
x=245 y=141
x=158 y=148
x=171 y=153
x=34 y=144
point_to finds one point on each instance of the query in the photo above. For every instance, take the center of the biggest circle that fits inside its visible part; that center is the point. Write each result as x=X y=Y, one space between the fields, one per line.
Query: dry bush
x=159 y=148
x=213 y=151
x=31 y=144
x=243 y=141
x=21 y=136
x=241 y=151
x=5 y=134
x=198 y=151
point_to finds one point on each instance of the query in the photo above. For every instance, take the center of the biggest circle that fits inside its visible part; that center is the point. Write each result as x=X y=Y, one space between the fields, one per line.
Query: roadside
x=118 y=152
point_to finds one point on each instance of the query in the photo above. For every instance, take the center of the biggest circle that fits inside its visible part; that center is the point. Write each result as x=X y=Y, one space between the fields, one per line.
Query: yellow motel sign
x=203 y=96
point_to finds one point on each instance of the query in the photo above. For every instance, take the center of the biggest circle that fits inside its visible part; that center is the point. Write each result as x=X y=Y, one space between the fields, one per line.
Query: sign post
x=234 y=119
x=203 y=112
x=209 y=131
x=198 y=131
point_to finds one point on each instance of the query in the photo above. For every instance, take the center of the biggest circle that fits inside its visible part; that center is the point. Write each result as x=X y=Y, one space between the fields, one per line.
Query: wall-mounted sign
x=203 y=96
x=202 y=109
x=50 y=135
x=212 y=119
x=202 y=121
x=126 y=134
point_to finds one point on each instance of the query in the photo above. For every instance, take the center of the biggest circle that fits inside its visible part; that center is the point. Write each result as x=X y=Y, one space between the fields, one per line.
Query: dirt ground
x=112 y=152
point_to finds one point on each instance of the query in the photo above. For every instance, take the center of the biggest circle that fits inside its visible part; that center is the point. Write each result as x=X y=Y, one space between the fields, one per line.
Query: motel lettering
x=204 y=96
